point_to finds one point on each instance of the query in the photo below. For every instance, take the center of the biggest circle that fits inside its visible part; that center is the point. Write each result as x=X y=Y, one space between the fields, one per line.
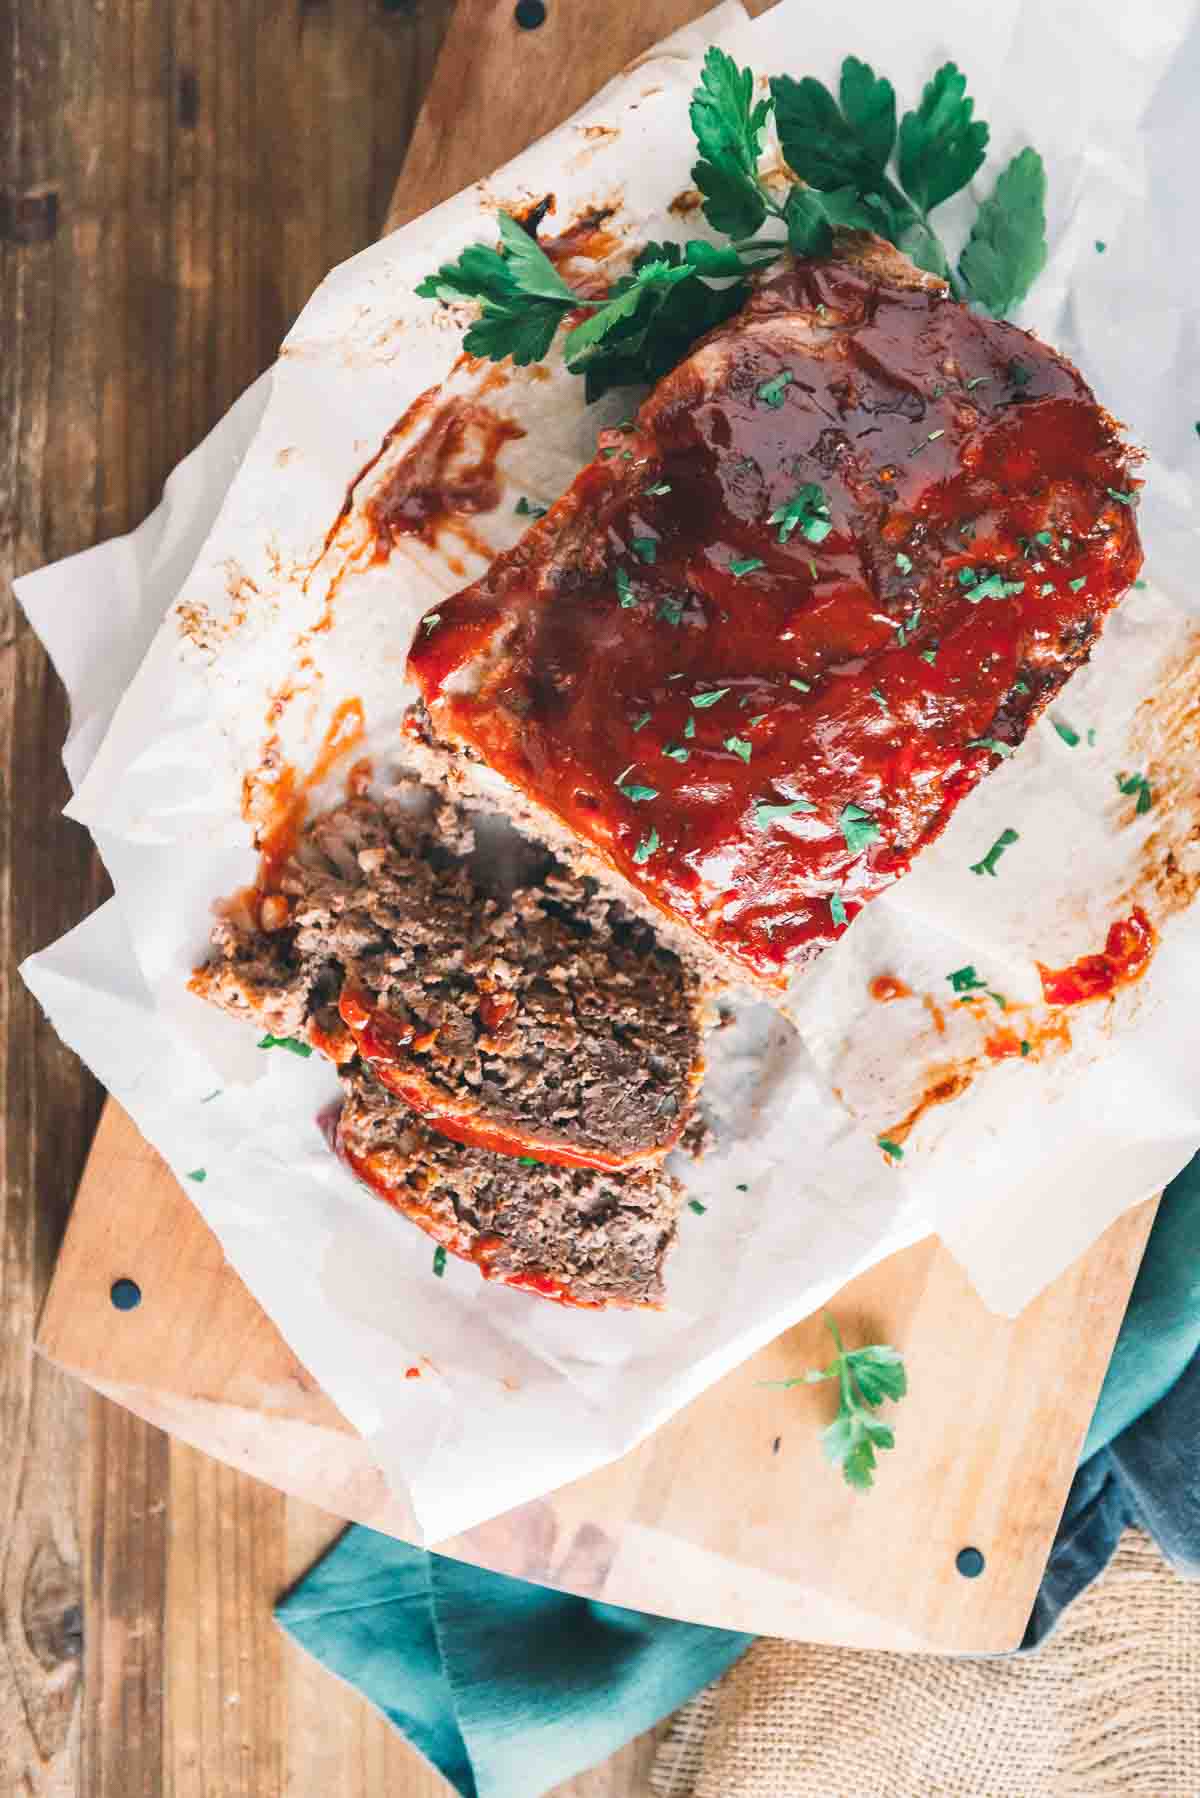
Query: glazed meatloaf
x=548 y=1024
x=583 y=1236
x=749 y=664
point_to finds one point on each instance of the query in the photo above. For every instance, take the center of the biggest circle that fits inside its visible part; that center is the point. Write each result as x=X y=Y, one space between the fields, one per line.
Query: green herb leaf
x=801 y=686
x=643 y=720
x=988 y=865
x=677 y=752
x=644 y=548
x=637 y=793
x=439 y=1260
x=671 y=608
x=1122 y=498
x=807 y=509
x=689 y=727
x=291 y=1043
x=646 y=848
x=929 y=655
x=903 y=562
x=965 y=980
x=659 y=487
x=766 y=815
x=729 y=127
x=891 y=1149
x=869 y=106
x=430 y=622
x=745 y=565
x=992 y=744
x=771 y=392
x=994 y=586
x=825 y=148
x=703 y=700
x=1070 y=737
x=866 y=1379
x=199 y=1175
x=942 y=145
x=808 y=227
x=738 y=746
x=1076 y=585
x=624 y=588
x=1006 y=251
x=528 y=510
x=697 y=1207
x=837 y=909
x=858 y=828
x=1137 y=783
x=528 y=1161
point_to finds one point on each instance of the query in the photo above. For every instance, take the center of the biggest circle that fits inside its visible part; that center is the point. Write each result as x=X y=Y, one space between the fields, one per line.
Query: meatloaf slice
x=753 y=659
x=583 y=1236
x=549 y=1024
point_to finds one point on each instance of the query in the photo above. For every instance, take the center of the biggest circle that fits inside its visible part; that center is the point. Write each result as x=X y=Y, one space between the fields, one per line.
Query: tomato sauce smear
x=1128 y=951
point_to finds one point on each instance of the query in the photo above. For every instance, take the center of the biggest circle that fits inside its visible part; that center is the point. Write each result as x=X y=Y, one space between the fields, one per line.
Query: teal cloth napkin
x=510 y=1688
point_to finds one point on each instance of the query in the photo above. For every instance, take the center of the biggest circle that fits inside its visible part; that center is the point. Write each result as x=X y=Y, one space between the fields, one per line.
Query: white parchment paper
x=212 y=632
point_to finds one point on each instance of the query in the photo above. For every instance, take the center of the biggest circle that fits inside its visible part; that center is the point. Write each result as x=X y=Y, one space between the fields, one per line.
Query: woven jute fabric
x=1110 y=1704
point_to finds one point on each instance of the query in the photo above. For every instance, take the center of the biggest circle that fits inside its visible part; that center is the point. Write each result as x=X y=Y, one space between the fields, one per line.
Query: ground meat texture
x=771 y=637
x=547 y=1024
x=582 y=1236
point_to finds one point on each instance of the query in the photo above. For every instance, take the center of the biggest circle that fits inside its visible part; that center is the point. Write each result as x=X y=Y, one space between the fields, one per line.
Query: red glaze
x=1128 y=950
x=938 y=436
x=391 y=1050
x=885 y=987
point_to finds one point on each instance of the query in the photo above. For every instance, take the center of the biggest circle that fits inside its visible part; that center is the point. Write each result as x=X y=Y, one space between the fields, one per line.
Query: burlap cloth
x=1110 y=1704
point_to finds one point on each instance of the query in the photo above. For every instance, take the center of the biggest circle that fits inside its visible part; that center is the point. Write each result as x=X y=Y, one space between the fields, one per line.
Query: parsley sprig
x=855 y=167
x=865 y=1378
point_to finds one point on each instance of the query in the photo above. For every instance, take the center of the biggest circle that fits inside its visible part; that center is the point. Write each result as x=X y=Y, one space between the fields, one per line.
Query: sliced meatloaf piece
x=549 y=1024
x=749 y=664
x=583 y=1236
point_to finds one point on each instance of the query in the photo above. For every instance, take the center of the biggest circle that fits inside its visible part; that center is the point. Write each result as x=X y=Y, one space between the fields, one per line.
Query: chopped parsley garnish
x=903 y=562
x=677 y=752
x=637 y=793
x=625 y=588
x=1025 y=1046
x=929 y=655
x=905 y=629
x=738 y=746
x=644 y=548
x=1101 y=246
x=858 y=828
x=528 y=1161
x=966 y=980
x=994 y=586
x=771 y=392
x=291 y=1043
x=527 y=509
x=766 y=815
x=1077 y=584
x=840 y=150
x=808 y=509
x=741 y=1187
x=1069 y=736
x=891 y=1149
x=646 y=848
x=439 y=1260
x=1046 y=588
x=988 y=865
x=431 y=623
x=1122 y=498
x=670 y=608
x=801 y=686
x=1018 y=374
x=697 y=1207
x=1137 y=783
x=659 y=487
x=877 y=696
x=1020 y=686
x=979 y=381
x=967 y=577
x=837 y=909
x=745 y=565
x=865 y=1377
x=703 y=700
x=214 y=1094
x=1091 y=738
x=689 y=727
x=934 y=435
x=199 y=1175
x=643 y=720
x=993 y=744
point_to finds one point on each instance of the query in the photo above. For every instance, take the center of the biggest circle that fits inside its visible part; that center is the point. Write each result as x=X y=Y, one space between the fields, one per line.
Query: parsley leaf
x=624 y=588
x=1070 y=737
x=528 y=510
x=891 y=1149
x=866 y=1378
x=1137 y=783
x=729 y=125
x=837 y=909
x=292 y=1043
x=869 y=106
x=827 y=149
x=703 y=700
x=745 y=565
x=766 y=815
x=646 y=848
x=199 y=1175
x=677 y=752
x=1006 y=251
x=738 y=746
x=941 y=144
x=988 y=865
x=808 y=508
x=965 y=980
x=637 y=793
x=993 y=744
x=697 y=1207
x=439 y=1260
x=771 y=392
x=859 y=828
x=992 y=586
x=644 y=548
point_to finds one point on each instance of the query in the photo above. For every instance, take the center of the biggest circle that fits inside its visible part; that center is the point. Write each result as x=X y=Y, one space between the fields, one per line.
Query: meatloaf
x=547 y=1023
x=749 y=664
x=583 y=1236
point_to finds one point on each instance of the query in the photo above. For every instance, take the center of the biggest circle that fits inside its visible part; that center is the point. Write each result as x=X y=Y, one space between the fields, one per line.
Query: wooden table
x=175 y=178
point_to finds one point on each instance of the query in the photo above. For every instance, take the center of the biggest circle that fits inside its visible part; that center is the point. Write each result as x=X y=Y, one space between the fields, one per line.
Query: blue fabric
x=510 y=1688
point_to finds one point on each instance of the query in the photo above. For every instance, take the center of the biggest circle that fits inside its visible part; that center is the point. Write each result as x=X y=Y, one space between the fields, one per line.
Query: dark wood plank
x=175 y=178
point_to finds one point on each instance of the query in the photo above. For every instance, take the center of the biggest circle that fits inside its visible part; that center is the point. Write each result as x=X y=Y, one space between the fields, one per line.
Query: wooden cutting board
x=728 y=1515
